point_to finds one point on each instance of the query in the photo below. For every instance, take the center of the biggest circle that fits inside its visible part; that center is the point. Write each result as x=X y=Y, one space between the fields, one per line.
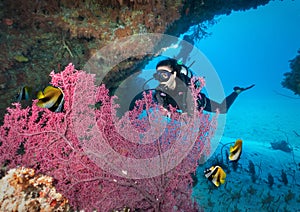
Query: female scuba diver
x=174 y=80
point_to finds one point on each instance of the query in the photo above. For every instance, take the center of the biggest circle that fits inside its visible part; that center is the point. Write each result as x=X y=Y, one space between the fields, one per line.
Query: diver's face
x=163 y=73
x=166 y=77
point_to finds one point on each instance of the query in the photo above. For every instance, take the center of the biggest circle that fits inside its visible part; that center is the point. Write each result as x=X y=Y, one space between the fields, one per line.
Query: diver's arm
x=212 y=106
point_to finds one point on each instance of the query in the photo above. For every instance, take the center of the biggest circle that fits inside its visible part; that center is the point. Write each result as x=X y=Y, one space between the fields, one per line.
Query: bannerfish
x=51 y=98
x=216 y=175
x=23 y=93
x=235 y=151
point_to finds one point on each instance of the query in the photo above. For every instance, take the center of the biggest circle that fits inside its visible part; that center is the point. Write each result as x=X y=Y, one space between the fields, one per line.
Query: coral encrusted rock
x=22 y=190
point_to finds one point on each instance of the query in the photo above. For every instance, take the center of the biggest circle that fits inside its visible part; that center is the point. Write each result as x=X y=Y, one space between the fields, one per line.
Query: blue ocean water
x=254 y=47
x=245 y=48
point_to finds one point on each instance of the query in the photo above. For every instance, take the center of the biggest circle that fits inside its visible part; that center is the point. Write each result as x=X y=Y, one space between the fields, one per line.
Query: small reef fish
x=23 y=94
x=51 y=98
x=216 y=175
x=235 y=151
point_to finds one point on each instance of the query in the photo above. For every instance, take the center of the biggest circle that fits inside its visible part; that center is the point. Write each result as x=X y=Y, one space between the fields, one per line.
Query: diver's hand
x=238 y=90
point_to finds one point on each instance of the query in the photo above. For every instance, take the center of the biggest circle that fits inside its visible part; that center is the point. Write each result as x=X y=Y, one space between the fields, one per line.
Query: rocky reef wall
x=292 y=79
x=37 y=37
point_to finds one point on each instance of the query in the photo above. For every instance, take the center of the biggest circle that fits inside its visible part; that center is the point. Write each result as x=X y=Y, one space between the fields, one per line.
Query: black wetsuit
x=178 y=100
x=211 y=106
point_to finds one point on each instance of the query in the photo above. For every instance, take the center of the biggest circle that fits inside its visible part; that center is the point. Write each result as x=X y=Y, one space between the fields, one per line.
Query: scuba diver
x=174 y=81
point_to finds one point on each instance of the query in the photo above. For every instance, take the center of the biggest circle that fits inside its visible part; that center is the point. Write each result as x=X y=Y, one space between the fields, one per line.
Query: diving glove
x=238 y=90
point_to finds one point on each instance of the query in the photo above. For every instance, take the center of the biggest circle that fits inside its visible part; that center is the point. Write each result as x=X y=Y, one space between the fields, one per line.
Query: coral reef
x=201 y=14
x=292 y=78
x=66 y=146
x=37 y=35
x=23 y=190
x=53 y=33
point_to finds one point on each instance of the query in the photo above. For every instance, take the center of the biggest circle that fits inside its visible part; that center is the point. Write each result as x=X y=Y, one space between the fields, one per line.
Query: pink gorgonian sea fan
x=103 y=162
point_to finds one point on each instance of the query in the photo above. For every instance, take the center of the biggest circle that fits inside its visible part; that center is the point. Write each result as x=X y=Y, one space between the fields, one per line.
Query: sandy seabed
x=258 y=122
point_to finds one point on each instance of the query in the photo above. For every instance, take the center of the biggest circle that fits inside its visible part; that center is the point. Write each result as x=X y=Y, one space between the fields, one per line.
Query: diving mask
x=162 y=75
